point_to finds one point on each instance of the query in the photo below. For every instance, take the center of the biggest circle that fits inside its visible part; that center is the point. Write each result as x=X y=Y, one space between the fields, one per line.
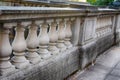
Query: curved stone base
x=20 y=62
x=33 y=57
x=44 y=53
x=61 y=47
x=53 y=49
x=68 y=44
x=6 y=71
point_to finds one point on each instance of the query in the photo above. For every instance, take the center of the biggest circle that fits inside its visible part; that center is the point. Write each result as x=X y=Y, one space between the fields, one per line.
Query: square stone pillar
x=87 y=40
x=117 y=30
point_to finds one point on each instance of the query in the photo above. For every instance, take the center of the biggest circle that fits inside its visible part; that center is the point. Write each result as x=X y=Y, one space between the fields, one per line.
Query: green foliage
x=103 y=2
x=100 y=2
x=91 y=1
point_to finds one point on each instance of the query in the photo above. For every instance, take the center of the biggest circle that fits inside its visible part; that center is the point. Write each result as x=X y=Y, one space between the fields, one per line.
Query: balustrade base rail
x=57 y=67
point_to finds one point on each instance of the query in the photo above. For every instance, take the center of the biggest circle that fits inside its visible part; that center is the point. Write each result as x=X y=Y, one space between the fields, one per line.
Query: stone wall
x=57 y=67
x=89 y=52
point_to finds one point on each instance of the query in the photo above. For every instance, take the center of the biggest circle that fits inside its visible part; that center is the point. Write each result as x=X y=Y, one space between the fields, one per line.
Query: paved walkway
x=107 y=67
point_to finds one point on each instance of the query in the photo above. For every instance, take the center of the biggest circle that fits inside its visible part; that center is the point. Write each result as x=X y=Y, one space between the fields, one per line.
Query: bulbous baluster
x=5 y=52
x=61 y=36
x=32 y=44
x=68 y=34
x=53 y=34
x=43 y=42
x=19 y=47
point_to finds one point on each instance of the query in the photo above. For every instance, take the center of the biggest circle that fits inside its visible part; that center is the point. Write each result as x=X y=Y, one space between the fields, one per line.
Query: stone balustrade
x=50 y=41
x=104 y=26
x=42 y=33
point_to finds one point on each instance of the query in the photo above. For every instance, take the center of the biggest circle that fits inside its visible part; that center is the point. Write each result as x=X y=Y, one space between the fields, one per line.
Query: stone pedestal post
x=19 y=47
x=61 y=36
x=53 y=34
x=117 y=30
x=5 y=52
x=32 y=44
x=87 y=41
x=44 y=41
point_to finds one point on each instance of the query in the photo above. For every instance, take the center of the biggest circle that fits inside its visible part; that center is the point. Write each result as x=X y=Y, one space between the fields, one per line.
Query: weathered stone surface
x=105 y=43
x=118 y=66
x=89 y=52
x=110 y=77
x=56 y=68
x=115 y=72
x=105 y=68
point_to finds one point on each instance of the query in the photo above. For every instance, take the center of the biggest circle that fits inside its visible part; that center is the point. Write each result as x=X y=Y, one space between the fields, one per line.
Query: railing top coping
x=14 y=9
x=35 y=8
x=10 y=13
x=106 y=9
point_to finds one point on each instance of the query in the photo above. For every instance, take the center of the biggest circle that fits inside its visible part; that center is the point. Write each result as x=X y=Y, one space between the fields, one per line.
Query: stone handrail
x=51 y=31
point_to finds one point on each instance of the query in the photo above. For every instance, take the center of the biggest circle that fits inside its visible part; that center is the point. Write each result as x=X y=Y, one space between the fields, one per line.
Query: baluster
x=53 y=34
x=68 y=34
x=44 y=41
x=19 y=47
x=32 y=44
x=61 y=36
x=5 y=52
